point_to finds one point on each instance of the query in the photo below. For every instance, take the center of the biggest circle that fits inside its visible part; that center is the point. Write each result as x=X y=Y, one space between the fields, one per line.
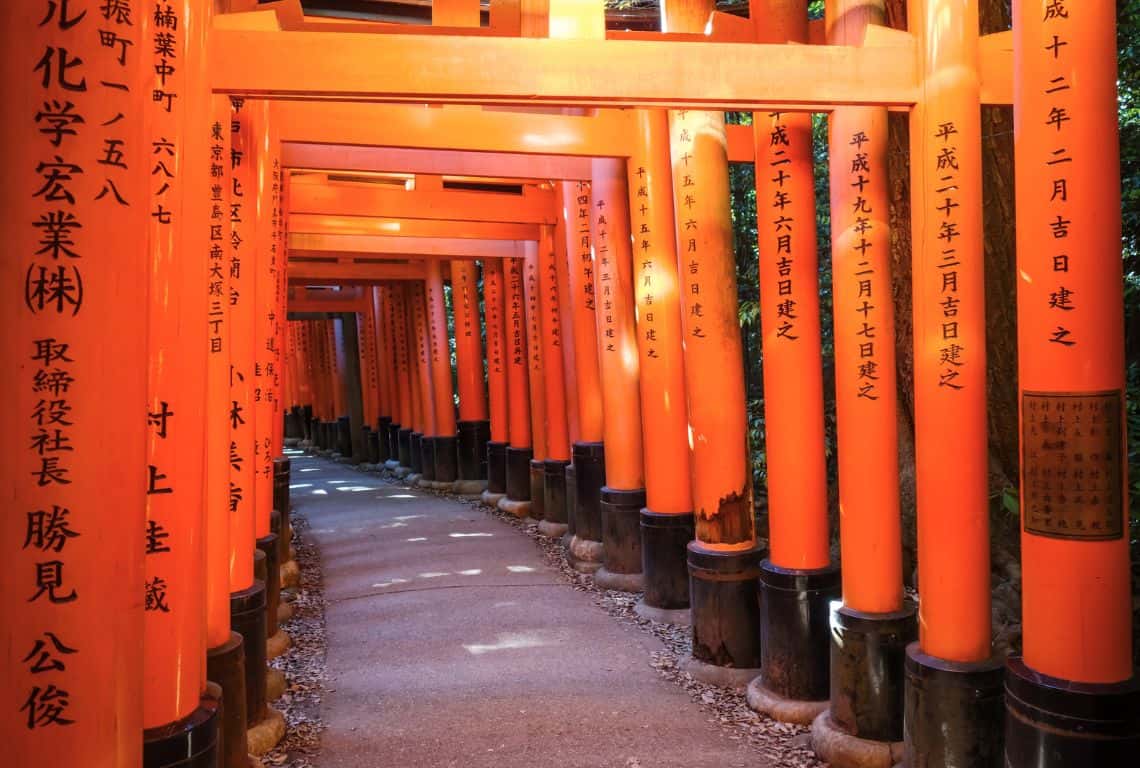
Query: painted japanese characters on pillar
x=668 y=485
x=617 y=337
x=564 y=242
x=790 y=322
x=242 y=322
x=369 y=371
x=554 y=380
x=428 y=416
x=443 y=393
x=75 y=277
x=722 y=488
x=397 y=314
x=1076 y=597
x=468 y=344
x=493 y=308
x=581 y=279
x=173 y=641
x=518 y=356
x=536 y=372
x=264 y=263
x=865 y=390
x=952 y=467
x=218 y=402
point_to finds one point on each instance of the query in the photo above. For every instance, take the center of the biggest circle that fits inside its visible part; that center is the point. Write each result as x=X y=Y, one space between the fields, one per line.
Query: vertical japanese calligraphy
x=442 y=391
x=494 y=322
x=1070 y=343
x=536 y=374
x=76 y=270
x=580 y=258
x=554 y=381
x=518 y=379
x=468 y=341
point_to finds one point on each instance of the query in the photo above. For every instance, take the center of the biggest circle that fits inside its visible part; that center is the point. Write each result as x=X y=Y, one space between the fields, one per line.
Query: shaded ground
x=452 y=641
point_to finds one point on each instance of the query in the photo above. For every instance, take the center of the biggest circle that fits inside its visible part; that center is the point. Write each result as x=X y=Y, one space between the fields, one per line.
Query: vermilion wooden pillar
x=443 y=446
x=1073 y=697
x=587 y=473
x=553 y=485
x=248 y=598
x=498 y=362
x=564 y=242
x=519 y=452
x=225 y=656
x=667 y=518
x=723 y=559
x=871 y=629
x=954 y=688
x=623 y=496
x=536 y=378
x=397 y=321
x=75 y=282
x=175 y=712
x=474 y=428
x=797 y=581
x=386 y=372
x=426 y=425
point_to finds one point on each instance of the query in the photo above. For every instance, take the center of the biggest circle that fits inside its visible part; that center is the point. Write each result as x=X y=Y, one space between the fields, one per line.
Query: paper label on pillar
x=1073 y=464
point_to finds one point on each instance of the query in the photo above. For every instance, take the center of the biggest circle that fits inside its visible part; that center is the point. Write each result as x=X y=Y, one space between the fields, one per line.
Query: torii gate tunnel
x=494 y=255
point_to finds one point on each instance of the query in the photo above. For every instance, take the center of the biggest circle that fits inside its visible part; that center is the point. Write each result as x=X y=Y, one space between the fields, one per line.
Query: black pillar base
x=427 y=457
x=247 y=617
x=664 y=542
x=537 y=489
x=571 y=501
x=954 y=712
x=868 y=652
x=316 y=432
x=267 y=568
x=371 y=442
x=795 y=633
x=225 y=666
x=191 y=742
x=331 y=440
x=621 y=529
x=446 y=459
x=343 y=436
x=384 y=440
x=471 y=449
x=725 y=606
x=590 y=474
x=281 y=503
x=1054 y=723
x=416 y=451
x=518 y=473
x=554 y=490
x=294 y=425
x=403 y=446
x=496 y=467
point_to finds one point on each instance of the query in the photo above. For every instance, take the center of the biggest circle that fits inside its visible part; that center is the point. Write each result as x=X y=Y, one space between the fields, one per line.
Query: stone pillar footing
x=472 y=488
x=191 y=742
x=520 y=509
x=267 y=733
x=446 y=459
x=781 y=708
x=492 y=499
x=664 y=562
x=537 y=489
x=621 y=537
x=868 y=652
x=277 y=643
x=725 y=606
x=590 y=477
x=585 y=555
x=247 y=617
x=795 y=632
x=679 y=616
x=714 y=674
x=518 y=473
x=471 y=449
x=1053 y=723
x=225 y=666
x=840 y=749
x=497 y=467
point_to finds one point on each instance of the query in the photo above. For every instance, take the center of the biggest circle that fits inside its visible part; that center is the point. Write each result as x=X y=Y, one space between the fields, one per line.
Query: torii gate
x=1077 y=651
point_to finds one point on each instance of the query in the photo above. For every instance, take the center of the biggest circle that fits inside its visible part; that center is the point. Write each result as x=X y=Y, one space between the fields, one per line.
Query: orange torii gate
x=1071 y=700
